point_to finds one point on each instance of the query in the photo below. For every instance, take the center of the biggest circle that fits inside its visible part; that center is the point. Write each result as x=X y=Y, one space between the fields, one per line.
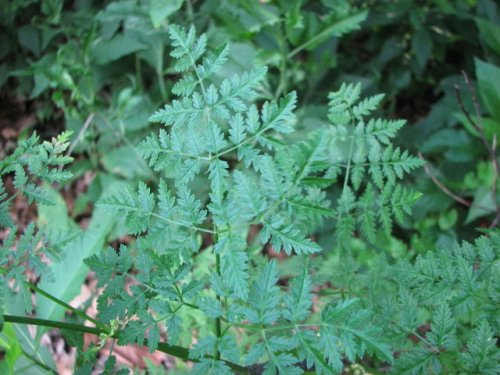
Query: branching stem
x=67 y=306
x=173 y=350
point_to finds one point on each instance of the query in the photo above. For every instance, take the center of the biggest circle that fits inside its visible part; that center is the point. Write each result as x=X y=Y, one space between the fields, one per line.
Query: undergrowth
x=202 y=281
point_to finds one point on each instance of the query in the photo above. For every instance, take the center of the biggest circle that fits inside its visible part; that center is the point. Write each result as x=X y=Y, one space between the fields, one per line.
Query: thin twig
x=80 y=134
x=447 y=191
x=479 y=124
x=491 y=148
x=495 y=179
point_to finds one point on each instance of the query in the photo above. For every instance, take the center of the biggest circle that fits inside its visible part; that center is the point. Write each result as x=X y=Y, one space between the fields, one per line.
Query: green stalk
x=282 y=86
x=159 y=75
x=81 y=314
x=53 y=324
x=173 y=350
x=189 y=11
x=218 y=323
x=37 y=363
x=138 y=72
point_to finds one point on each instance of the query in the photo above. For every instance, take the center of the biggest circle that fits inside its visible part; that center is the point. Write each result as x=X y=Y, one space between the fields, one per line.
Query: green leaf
x=264 y=296
x=36 y=194
x=10 y=345
x=106 y=51
x=70 y=271
x=136 y=206
x=153 y=338
x=483 y=205
x=159 y=10
x=442 y=333
x=190 y=210
x=307 y=205
x=299 y=301
x=24 y=335
x=235 y=91
x=335 y=26
x=489 y=33
x=133 y=333
x=311 y=353
x=278 y=116
x=418 y=361
x=187 y=48
x=218 y=174
x=352 y=325
x=205 y=346
x=288 y=238
x=250 y=200
x=488 y=77
x=367 y=105
x=482 y=355
x=174 y=326
x=211 y=307
x=228 y=348
x=422 y=46
x=211 y=367
x=234 y=264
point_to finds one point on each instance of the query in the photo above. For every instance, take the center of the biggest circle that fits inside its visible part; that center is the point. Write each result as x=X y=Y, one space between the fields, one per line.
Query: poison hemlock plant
x=31 y=163
x=441 y=311
x=364 y=149
x=198 y=274
x=256 y=180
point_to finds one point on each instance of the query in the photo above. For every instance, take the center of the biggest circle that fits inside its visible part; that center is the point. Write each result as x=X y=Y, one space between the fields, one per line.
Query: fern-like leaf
x=482 y=355
x=299 y=300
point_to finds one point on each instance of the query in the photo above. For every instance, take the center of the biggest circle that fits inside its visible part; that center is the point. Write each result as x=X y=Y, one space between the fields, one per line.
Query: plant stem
x=53 y=324
x=138 y=73
x=67 y=306
x=189 y=11
x=37 y=363
x=346 y=178
x=282 y=86
x=79 y=136
x=173 y=350
x=159 y=75
x=218 y=323
x=448 y=192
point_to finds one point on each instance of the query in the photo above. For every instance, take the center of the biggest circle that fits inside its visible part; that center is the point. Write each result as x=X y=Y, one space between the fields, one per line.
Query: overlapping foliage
x=32 y=163
x=233 y=178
